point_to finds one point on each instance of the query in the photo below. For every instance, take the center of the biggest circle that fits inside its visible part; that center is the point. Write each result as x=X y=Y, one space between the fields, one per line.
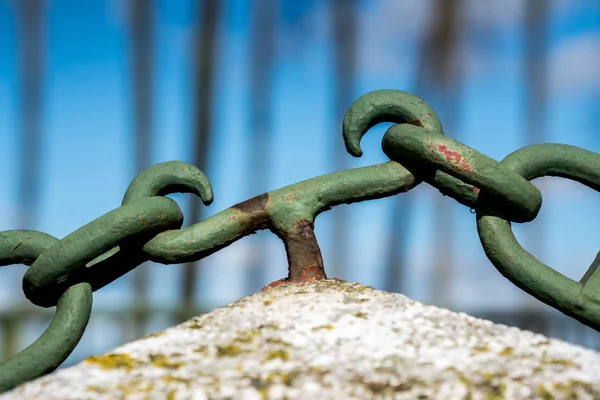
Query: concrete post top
x=330 y=340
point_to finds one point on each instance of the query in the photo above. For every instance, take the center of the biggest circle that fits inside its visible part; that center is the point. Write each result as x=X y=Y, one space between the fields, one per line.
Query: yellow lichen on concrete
x=507 y=351
x=174 y=379
x=201 y=349
x=194 y=325
x=247 y=337
x=482 y=349
x=328 y=327
x=153 y=335
x=111 y=361
x=97 y=389
x=162 y=361
x=229 y=350
x=278 y=354
x=543 y=393
x=271 y=345
x=277 y=341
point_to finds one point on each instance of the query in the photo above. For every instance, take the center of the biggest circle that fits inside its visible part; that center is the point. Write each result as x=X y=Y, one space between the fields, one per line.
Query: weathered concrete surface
x=330 y=340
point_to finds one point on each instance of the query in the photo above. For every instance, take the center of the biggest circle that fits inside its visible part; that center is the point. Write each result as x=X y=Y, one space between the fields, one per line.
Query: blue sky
x=88 y=148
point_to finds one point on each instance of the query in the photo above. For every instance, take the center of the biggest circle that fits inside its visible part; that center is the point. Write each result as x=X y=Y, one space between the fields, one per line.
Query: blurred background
x=253 y=92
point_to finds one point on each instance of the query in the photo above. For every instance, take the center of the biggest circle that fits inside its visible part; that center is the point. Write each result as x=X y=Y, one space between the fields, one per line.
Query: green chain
x=147 y=226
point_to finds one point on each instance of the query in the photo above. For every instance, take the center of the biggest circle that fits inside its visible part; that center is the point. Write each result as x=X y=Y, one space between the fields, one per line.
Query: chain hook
x=386 y=105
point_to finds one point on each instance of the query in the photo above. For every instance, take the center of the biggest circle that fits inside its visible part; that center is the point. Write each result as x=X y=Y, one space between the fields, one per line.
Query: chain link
x=147 y=226
x=580 y=300
x=68 y=325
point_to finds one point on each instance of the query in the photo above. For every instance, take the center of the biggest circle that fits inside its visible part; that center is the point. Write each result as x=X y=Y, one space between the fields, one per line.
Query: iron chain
x=147 y=226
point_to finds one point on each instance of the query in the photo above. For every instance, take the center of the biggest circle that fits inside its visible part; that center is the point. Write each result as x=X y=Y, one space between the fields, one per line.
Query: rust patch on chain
x=417 y=122
x=286 y=281
x=255 y=204
x=453 y=156
x=305 y=262
x=304 y=256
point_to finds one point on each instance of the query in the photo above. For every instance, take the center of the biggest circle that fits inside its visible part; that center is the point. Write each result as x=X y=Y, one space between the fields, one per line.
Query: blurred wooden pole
x=445 y=86
x=438 y=82
x=344 y=23
x=206 y=52
x=142 y=87
x=264 y=21
x=535 y=73
x=31 y=65
x=536 y=69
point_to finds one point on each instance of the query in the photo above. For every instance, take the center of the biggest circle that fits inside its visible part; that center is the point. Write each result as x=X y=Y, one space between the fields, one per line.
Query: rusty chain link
x=147 y=226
